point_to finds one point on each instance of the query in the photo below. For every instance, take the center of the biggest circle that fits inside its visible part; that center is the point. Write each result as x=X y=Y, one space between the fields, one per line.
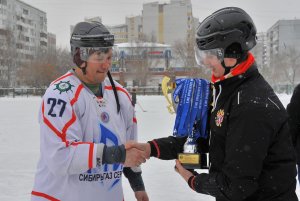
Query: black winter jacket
x=293 y=110
x=250 y=150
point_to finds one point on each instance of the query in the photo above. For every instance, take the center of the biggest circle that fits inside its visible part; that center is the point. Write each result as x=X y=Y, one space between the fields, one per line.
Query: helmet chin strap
x=239 y=60
x=227 y=69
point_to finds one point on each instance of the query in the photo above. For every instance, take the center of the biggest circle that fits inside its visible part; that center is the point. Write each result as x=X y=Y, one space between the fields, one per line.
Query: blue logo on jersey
x=107 y=135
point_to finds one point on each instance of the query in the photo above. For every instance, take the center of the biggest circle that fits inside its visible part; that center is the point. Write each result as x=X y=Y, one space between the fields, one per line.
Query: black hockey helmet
x=225 y=27
x=230 y=30
x=87 y=38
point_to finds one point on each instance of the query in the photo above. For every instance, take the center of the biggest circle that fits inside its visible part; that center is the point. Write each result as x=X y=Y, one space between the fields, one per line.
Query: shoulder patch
x=63 y=86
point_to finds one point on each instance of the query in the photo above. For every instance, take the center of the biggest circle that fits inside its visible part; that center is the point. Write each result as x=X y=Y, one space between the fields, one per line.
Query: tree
x=9 y=59
x=184 y=55
x=184 y=52
x=45 y=68
x=286 y=66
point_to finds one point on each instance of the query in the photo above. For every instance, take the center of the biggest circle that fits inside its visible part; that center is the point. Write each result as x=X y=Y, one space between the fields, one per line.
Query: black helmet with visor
x=228 y=32
x=88 y=38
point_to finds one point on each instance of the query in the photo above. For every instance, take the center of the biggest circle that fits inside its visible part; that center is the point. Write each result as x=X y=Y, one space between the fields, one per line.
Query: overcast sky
x=62 y=13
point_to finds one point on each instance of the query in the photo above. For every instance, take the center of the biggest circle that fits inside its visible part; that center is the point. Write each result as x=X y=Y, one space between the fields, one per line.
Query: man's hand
x=145 y=147
x=182 y=171
x=141 y=196
x=141 y=146
x=134 y=156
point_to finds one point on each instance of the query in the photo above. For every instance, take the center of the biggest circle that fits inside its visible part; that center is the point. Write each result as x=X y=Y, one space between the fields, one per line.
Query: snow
x=19 y=150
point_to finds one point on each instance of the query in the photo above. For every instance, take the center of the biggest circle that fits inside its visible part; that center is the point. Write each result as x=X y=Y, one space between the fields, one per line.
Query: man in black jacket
x=293 y=110
x=250 y=149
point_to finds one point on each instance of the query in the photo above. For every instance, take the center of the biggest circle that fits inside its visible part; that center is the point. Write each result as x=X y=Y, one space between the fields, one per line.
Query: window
x=43 y=35
x=19 y=46
x=19 y=27
x=25 y=11
x=3 y=2
x=43 y=43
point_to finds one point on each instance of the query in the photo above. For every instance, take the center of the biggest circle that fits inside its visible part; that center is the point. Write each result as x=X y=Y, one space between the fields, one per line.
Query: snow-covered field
x=19 y=150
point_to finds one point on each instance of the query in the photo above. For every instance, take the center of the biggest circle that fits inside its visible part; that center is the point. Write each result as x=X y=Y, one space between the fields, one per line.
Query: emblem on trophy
x=189 y=100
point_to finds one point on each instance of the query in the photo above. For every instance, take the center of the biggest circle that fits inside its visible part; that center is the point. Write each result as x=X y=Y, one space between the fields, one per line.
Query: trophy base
x=190 y=161
x=194 y=161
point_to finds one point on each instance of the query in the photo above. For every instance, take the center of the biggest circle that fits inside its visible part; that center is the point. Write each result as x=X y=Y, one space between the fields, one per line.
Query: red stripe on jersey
x=48 y=197
x=157 y=148
x=91 y=153
x=62 y=77
x=68 y=124
x=73 y=118
x=118 y=89
x=63 y=135
x=77 y=143
x=134 y=120
x=78 y=90
x=48 y=123
x=192 y=183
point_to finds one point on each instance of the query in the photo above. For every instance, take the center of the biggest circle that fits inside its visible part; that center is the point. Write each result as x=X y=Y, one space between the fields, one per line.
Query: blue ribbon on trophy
x=191 y=98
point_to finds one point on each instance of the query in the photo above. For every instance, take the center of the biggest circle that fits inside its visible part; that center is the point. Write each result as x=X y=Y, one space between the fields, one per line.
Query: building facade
x=282 y=35
x=168 y=23
x=23 y=35
x=134 y=28
x=120 y=32
x=260 y=50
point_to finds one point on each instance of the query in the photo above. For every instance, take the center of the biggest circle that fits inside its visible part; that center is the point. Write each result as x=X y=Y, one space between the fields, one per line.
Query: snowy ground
x=19 y=150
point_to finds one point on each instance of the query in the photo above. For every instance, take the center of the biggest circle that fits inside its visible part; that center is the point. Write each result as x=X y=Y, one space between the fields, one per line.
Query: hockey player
x=87 y=123
x=250 y=149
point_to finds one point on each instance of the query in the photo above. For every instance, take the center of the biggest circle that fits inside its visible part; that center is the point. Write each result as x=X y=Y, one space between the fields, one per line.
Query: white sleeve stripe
x=91 y=152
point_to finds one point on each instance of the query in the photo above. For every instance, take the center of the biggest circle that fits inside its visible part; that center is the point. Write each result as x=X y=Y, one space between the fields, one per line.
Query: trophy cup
x=190 y=101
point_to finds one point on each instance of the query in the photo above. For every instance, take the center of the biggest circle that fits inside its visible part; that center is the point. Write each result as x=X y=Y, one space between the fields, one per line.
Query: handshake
x=136 y=153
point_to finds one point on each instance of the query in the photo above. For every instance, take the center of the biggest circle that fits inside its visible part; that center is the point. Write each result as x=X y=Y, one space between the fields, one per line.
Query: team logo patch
x=63 y=86
x=219 y=118
x=104 y=117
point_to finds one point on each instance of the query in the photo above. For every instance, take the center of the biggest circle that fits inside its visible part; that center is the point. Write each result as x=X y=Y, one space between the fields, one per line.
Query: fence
x=26 y=92
x=13 y=92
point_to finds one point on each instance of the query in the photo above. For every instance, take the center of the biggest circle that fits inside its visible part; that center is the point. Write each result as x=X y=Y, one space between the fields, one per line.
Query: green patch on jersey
x=63 y=86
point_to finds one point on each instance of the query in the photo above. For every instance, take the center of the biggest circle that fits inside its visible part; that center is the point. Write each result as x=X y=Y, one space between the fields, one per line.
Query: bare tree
x=9 y=59
x=184 y=51
x=63 y=60
x=46 y=67
x=287 y=66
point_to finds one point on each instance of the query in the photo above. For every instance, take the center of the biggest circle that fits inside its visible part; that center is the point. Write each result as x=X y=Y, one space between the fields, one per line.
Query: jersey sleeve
x=61 y=134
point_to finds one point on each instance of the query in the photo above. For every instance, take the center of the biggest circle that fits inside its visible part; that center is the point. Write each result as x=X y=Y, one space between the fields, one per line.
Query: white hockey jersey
x=72 y=121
